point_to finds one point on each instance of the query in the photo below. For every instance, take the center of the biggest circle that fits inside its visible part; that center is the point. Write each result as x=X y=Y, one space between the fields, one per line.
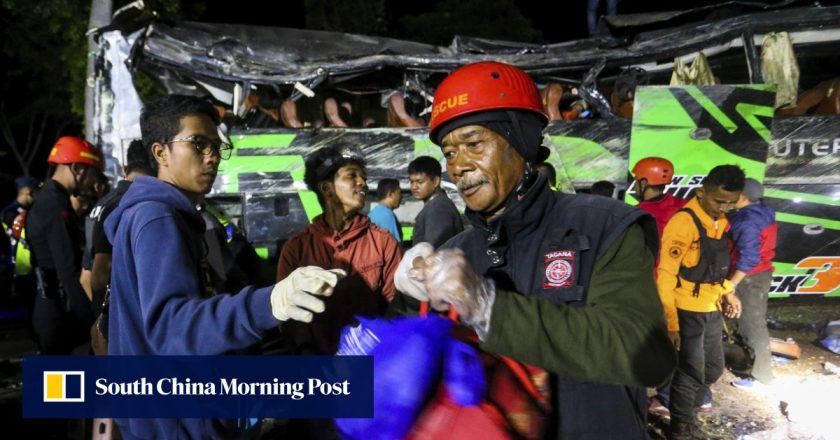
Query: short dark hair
x=425 y=164
x=322 y=165
x=137 y=159
x=728 y=177
x=386 y=187
x=161 y=119
x=602 y=188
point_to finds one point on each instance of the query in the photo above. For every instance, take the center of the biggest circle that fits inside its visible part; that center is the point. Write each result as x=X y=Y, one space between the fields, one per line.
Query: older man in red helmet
x=563 y=282
x=62 y=313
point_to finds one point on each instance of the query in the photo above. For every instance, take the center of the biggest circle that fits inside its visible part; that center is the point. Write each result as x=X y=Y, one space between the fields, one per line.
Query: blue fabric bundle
x=410 y=355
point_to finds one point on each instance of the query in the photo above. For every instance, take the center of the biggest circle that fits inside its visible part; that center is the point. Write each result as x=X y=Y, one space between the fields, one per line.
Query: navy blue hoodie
x=157 y=304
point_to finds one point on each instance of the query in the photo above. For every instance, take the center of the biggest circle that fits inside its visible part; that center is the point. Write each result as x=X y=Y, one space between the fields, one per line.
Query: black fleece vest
x=547 y=245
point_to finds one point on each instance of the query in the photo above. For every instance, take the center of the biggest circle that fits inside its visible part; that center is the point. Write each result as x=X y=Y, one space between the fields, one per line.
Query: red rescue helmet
x=657 y=170
x=487 y=85
x=70 y=149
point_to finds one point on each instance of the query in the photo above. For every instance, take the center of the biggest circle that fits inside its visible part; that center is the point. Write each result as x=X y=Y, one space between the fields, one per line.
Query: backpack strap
x=701 y=231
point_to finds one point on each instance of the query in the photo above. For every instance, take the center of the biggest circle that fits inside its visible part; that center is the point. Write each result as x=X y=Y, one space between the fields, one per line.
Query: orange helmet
x=656 y=170
x=482 y=86
x=70 y=149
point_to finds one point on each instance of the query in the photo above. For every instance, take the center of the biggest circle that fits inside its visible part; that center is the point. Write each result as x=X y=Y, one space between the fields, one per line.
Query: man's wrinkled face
x=349 y=188
x=483 y=166
x=181 y=165
x=717 y=201
x=423 y=186
x=26 y=196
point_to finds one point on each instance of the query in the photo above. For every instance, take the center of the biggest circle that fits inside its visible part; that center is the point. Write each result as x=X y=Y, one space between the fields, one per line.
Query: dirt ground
x=803 y=402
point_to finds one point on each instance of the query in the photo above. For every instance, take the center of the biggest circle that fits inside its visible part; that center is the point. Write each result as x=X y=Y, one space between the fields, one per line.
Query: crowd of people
x=600 y=299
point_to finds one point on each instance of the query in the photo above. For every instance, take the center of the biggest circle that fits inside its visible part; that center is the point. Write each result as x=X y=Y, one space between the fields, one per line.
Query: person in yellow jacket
x=692 y=284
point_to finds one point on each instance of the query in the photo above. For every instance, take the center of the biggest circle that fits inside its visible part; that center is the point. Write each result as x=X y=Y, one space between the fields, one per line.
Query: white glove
x=293 y=297
x=406 y=279
x=451 y=279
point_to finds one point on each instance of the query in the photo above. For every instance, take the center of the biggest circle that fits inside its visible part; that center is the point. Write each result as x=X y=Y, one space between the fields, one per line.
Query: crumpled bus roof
x=286 y=56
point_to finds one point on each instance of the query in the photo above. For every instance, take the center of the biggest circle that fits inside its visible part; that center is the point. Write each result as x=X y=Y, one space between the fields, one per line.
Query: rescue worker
x=14 y=221
x=439 y=220
x=62 y=311
x=691 y=279
x=18 y=261
x=754 y=231
x=233 y=261
x=161 y=302
x=563 y=282
x=650 y=177
x=27 y=189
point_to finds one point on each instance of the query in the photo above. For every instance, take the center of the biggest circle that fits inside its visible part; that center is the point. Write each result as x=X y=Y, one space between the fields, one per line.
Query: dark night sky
x=568 y=24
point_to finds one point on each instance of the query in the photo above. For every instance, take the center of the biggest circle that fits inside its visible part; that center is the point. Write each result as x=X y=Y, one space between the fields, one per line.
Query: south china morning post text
x=198 y=386
x=173 y=386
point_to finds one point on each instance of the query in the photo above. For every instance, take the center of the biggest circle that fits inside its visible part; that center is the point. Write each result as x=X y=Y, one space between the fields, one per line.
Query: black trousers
x=700 y=362
x=752 y=325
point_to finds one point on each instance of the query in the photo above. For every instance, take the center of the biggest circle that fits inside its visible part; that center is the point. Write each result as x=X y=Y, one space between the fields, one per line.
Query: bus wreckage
x=760 y=90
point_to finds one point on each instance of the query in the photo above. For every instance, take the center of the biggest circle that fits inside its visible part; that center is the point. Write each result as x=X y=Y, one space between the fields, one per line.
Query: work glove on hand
x=451 y=279
x=294 y=296
x=408 y=278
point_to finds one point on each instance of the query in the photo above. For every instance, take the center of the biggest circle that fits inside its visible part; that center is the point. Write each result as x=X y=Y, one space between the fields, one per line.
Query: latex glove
x=295 y=296
x=451 y=279
x=733 y=306
x=408 y=278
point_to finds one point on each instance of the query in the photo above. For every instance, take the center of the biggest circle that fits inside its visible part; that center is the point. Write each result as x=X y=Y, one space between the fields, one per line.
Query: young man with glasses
x=161 y=302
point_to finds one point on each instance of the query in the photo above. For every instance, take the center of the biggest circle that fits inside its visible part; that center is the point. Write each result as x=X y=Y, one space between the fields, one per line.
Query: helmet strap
x=78 y=178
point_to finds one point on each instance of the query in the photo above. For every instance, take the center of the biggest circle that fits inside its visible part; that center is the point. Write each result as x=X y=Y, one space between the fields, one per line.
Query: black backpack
x=713 y=266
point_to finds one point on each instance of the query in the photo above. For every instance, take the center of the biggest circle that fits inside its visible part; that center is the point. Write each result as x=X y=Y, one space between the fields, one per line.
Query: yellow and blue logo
x=64 y=386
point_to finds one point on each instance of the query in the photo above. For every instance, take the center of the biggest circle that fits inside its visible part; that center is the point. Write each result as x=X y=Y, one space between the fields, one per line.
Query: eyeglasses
x=207 y=147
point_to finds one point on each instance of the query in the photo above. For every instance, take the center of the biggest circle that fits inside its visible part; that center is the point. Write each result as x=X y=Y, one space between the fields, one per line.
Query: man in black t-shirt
x=99 y=248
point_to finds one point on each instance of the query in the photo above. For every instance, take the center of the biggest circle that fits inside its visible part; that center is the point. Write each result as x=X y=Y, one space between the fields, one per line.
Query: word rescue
x=172 y=386
x=450 y=103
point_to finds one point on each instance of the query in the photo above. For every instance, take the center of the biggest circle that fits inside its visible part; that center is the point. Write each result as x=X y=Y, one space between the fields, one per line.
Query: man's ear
x=161 y=154
x=700 y=192
x=436 y=180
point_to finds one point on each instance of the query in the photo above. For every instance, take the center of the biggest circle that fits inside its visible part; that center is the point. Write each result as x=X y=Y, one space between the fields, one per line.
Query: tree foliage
x=365 y=17
x=43 y=47
x=498 y=19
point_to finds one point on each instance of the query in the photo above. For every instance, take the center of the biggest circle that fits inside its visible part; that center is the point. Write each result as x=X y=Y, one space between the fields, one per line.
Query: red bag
x=517 y=403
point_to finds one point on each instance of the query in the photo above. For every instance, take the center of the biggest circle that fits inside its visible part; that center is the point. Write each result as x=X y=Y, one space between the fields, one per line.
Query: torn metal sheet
x=287 y=56
x=591 y=150
x=805 y=150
